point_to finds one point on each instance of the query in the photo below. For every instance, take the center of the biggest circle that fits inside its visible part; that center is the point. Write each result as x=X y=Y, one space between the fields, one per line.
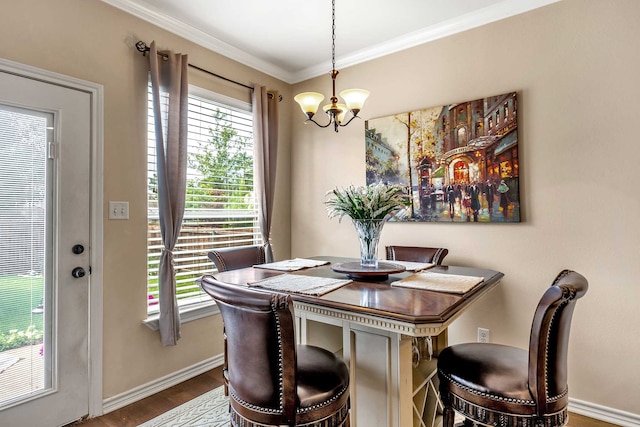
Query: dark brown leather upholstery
x=236 y=257
x=233 y=258
x=500 y=385
x=416 y=254
x=271 y=380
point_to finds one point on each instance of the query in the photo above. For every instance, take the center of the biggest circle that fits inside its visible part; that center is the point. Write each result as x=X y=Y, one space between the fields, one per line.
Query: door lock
x=78 y=272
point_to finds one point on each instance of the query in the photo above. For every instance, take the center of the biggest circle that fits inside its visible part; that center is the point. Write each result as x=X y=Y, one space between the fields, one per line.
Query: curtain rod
x=142 y=47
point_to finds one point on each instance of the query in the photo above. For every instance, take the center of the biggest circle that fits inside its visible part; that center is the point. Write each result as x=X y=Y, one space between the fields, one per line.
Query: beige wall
x=575 y=67
x=90 y=40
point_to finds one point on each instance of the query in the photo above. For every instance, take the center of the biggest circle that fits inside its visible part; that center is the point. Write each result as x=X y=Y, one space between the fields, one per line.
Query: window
x=220 y=208
x=25 y=211
x=462 y=137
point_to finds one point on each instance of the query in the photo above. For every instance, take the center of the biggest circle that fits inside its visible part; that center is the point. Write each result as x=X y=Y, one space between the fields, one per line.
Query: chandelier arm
x=318 y=124
x=352 y=117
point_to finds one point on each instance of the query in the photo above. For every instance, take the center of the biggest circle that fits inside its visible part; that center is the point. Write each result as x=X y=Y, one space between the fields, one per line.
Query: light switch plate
x=118 y=210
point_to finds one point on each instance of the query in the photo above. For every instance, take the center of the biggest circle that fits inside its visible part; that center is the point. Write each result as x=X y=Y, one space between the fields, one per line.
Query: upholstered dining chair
x=416 y=254
x=498 y=385
x=273 y=381
x=233 y=258
x=236 y=257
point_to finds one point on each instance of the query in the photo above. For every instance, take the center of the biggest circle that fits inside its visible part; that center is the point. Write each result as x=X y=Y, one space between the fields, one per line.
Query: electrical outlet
x=483 y=335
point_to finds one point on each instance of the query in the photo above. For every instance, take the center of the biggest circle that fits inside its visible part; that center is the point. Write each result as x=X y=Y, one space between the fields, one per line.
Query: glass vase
x=369 y=235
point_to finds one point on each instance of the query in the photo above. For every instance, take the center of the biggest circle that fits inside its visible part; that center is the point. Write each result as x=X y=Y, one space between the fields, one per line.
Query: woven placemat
x=439 y=282
x=308 y=285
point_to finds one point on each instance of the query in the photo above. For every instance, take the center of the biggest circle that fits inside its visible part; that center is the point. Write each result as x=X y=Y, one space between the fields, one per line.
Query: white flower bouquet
x=368 y=207
x=370 y=202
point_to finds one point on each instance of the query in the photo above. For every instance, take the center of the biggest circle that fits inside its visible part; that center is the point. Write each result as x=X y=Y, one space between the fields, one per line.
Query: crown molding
x=201 y=38
x=496 y=12
x=453 y=26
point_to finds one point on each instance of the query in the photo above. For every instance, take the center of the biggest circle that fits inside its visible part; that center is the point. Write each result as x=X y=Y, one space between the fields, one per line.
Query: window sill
x=187 y=314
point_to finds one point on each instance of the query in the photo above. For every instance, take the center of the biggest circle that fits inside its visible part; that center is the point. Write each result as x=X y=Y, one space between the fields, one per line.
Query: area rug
x=209 y=410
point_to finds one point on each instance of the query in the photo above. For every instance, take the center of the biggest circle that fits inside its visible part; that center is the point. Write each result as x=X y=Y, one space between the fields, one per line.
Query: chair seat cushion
x=480 y=372
x=321 y=377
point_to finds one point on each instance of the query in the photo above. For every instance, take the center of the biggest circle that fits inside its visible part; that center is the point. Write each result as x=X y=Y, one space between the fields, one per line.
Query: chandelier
x=353 y=98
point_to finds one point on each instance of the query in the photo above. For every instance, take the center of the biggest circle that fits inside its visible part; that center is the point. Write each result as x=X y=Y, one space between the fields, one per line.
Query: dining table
x=388 y=334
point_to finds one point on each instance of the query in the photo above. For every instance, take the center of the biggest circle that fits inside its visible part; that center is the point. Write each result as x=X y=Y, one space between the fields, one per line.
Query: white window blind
x=220 y=209
x=23 y=204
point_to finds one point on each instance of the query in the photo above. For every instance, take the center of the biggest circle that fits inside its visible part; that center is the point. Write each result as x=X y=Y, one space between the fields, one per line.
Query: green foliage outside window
x=226 y=168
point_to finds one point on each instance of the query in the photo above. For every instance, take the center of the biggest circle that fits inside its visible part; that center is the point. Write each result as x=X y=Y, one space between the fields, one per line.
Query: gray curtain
x=265 y=137
x=170 y=91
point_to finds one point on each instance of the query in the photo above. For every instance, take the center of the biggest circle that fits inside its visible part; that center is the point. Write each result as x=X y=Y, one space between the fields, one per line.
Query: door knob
x=78 y=272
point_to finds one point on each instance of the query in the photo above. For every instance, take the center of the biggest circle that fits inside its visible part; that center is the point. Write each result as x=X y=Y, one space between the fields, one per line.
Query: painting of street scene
x=457 y=163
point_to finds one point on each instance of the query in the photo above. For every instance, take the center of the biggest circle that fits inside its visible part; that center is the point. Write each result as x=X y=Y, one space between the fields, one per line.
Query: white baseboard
x=588 y=409
x=123 y=399
x=604 y=413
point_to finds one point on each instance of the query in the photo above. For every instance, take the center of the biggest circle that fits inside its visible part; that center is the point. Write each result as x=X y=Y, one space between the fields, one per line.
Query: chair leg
x=224 y=363
x=447 y=416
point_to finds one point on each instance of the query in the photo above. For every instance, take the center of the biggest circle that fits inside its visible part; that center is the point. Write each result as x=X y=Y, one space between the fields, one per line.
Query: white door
x=45 y=149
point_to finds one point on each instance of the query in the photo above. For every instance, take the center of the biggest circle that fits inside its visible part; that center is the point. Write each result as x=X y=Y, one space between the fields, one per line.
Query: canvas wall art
x=457 y=162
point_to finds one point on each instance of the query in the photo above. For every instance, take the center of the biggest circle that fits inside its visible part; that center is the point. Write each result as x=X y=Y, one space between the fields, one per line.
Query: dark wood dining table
x=382 y=332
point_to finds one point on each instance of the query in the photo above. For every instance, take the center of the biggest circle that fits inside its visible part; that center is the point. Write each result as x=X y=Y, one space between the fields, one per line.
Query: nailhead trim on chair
x=490 y=417
x=322 y=404
x=438 y=254
x=560 y=276
x=299 y=411
x=487 y=395
x=546 y=354
x=334 y=420
x=277 y=303
x=219 y=258
x=254 y=407
x=494 y=418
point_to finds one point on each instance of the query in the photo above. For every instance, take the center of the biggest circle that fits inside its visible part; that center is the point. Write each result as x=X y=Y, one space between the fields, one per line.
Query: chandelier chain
x=353 y=98
x=333 y=34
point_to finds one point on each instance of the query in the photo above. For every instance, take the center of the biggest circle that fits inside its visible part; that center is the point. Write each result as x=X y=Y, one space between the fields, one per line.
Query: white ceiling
x=291 y=39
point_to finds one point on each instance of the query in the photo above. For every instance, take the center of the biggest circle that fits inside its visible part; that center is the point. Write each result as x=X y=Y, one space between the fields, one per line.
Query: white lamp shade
x=309 y=101
x=354 y=98
x=343 y=111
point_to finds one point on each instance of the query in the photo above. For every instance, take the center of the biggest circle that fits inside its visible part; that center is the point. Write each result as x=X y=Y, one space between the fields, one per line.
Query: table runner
x=308 y=285
x=431 y=281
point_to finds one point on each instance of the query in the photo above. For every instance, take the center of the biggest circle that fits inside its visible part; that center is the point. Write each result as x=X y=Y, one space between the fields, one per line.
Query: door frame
x=96 y=92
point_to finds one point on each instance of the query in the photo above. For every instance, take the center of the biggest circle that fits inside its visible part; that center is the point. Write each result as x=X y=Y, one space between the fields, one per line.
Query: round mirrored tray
x=356 y=271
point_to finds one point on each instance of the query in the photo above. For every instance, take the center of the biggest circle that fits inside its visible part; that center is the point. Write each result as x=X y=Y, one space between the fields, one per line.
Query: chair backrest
x=260 y=345
x=416 y=254
x=549 y=342
x=236 y=257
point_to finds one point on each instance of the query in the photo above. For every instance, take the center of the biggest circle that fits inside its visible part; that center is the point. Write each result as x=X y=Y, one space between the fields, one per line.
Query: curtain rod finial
x=142 y=47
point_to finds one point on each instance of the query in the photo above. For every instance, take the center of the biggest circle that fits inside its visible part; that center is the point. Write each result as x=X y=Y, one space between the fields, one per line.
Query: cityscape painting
x=457 y=162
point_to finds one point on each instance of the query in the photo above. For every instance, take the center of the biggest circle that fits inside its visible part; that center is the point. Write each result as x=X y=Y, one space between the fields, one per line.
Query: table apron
x=336 y=317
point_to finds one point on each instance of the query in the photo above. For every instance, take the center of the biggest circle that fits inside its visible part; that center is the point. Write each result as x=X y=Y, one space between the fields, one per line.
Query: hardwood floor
x=152 y=406
x=146 y=409
x=576 y=420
